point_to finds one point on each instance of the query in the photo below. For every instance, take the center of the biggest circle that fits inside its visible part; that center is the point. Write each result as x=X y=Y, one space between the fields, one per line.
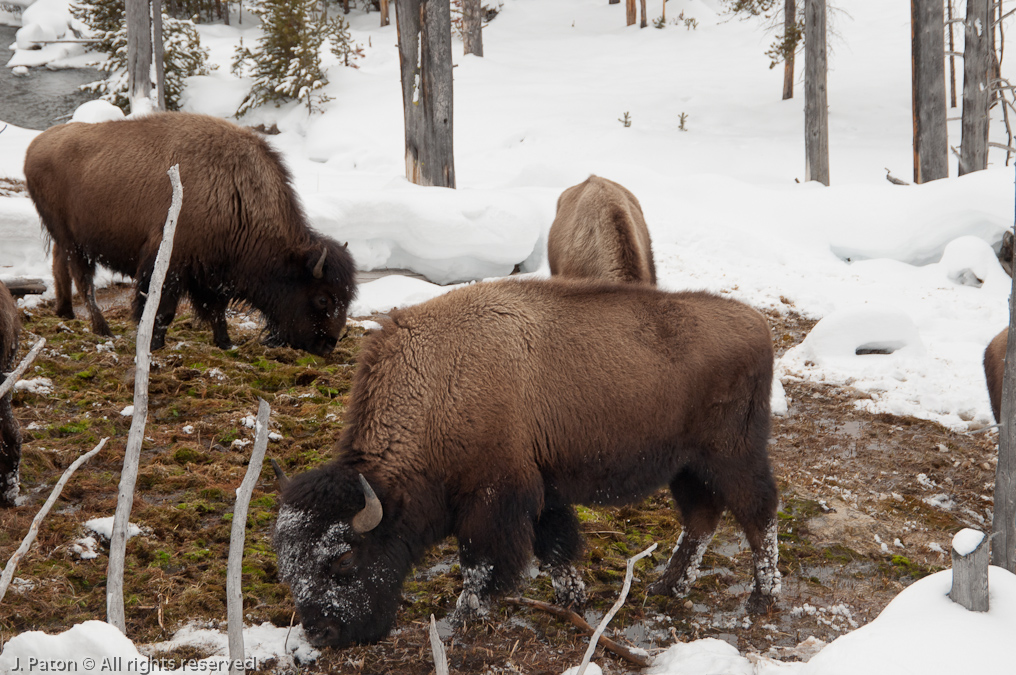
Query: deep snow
x=887 y=268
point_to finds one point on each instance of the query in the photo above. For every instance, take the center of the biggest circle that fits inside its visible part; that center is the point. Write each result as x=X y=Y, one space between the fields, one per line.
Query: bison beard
x=102 y=193
x=487 y=412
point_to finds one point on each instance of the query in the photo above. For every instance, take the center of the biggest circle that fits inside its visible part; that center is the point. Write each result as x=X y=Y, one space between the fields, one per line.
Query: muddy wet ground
x=869 y=504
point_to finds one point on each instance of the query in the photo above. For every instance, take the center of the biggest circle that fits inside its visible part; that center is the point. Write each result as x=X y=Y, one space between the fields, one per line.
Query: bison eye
x=321 y=301
x=343 y=564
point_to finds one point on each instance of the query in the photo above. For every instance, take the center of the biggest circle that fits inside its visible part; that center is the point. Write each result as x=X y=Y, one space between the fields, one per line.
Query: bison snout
x=322 y=635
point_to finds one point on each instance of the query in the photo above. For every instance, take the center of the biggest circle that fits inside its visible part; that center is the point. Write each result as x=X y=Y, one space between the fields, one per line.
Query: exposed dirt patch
x=867 y=503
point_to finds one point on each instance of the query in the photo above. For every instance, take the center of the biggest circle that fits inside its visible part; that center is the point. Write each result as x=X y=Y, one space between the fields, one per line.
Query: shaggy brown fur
x=10 y=435
x=994 y=369
x=487 y=412
x=599 y=232
x=103 y=195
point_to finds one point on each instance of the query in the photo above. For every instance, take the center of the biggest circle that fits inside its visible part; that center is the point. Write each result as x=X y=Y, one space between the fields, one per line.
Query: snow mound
x=104 y=528
x=854 y=333
x=92 y=642
x=968 y=261
x=392 y=292
x=708 y=656
x=97 y=111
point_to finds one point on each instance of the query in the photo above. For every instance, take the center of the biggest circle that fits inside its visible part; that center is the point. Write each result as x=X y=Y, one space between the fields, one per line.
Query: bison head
x=343 y=565
x=309 y=308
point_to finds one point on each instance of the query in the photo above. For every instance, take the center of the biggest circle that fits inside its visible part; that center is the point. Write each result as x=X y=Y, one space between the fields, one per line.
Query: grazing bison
x=599 y=232
x=994 y=369
x=487 y=412
x=103 y=195
x=10 y=436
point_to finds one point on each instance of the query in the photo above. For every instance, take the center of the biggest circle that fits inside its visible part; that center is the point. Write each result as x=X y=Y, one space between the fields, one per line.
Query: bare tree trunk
x=384 y=13
x=345 y=6
x=472 y=27
x=160 y=48
x=425 y=58
x=789 y=24
x=1003 y=524
x=952 y=54
x=927 y=31
x=642 y=22
x=976 y=62
x=816 y=107
x=630 y=6
x=613 y=2
x=225 y=16
x=139 y=55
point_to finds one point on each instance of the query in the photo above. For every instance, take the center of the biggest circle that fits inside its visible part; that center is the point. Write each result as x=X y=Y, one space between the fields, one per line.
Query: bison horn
x=280 y=475
x=319 y=268
x=367 y=519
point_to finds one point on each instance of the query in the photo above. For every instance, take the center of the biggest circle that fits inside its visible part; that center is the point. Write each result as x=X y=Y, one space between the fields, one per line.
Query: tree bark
x=642 y=22
x=631 y=12
x=159 y=53
x=472 y=27
x=976 y=62
x=789 y=24
x=952 y=54
x=1003 y=524
x=384 y=13
x=816 y=107
x=425 y=59
x=927 y=30
x=139 y=55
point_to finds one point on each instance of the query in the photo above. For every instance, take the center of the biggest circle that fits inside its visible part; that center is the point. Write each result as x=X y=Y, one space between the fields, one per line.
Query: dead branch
x=577 y=620
x=440 y=658
x=132 y=454
x=893 y=179
x=33 y=529
x=234 y=564
x=16 y=374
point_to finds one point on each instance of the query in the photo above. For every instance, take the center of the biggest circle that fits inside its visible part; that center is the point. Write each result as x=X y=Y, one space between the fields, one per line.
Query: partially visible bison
x=10 y=435
x=994 y=370
x=487 y=412
x=599 y=232
x=103 y=194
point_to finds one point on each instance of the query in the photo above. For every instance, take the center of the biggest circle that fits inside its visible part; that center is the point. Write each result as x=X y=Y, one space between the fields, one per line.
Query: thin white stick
x=16 y=374
x=436 y=646
x=234 y=564
x=595 y=639
x=33 y=530
x=132 y=455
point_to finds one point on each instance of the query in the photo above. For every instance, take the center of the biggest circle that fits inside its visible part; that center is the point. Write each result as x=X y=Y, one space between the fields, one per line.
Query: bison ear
x=370 y=517
x=319 y=266
x=280 y=476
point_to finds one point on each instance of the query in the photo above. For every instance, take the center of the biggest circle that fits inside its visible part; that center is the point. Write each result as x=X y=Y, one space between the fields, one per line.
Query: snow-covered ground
x=907 y=268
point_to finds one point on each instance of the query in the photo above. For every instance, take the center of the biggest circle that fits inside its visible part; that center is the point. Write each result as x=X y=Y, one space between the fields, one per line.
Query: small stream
x=43 y=97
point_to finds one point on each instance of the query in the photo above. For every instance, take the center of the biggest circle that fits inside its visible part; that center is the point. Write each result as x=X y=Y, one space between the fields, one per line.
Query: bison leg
x=755 y=510
x=62 y=283
x=557 y=544
x=211 y=308
x=495 y=536
x=701 y=507
x=171 y=291
x=84 y=276
x=10 y=453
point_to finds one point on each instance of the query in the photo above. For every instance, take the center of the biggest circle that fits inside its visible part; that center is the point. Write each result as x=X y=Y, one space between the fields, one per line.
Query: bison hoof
x=759 y=603
x=664 y=587
x=65 y=312
x=469 y=607
x=569 y=589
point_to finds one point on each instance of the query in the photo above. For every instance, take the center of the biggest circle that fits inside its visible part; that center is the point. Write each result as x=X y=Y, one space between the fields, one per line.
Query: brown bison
x=487 y=412
x=994 y=369
x=10 y=436
x=103 y=195
x=599 y=232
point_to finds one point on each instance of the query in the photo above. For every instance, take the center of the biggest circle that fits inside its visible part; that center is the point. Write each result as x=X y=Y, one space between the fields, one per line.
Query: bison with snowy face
x=487 y=412
x=10 y=435
x=103 y=194
x=599 y=232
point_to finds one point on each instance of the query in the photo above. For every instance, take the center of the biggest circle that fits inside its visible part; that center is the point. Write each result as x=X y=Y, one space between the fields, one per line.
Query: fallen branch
x=16 y=374
x=33 y=529
x=628 y=573
x=568 y=615
x=234 y=564
x=132 y=455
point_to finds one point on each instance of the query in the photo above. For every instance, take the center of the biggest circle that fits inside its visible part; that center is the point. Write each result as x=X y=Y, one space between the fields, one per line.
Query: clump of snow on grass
x=778 y=399
x=128 y=411
x=95 y=640
x=260 y=642
x=42 y=386
x=85 y=548
x=240 y=443
x=188 y=429
x=708 y=656
x=104 y=528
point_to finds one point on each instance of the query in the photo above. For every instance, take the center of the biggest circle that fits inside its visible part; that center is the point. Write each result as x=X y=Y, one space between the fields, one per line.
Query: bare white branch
x=234 y=565
x=132 y=455
x=33 y=530
x=16 y=374
x=436 y=646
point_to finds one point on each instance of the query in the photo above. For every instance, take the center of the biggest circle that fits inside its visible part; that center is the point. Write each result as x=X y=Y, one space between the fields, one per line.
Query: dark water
x=43 y=97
